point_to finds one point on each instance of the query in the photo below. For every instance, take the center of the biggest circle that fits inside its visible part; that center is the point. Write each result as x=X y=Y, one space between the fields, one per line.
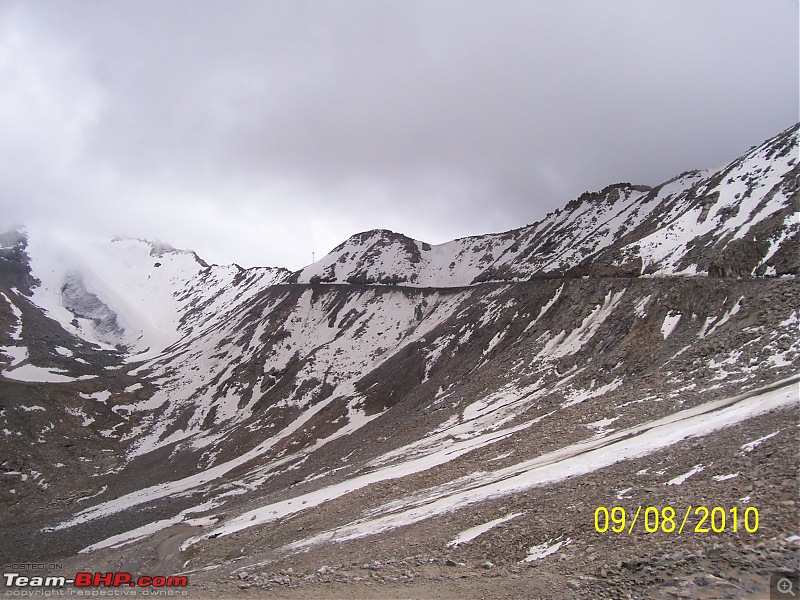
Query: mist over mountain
x=407 y=418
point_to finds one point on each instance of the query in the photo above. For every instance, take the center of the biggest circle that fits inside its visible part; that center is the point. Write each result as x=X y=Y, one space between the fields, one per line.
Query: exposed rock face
x=86 y=305
x=387 y=399
x=15 y=271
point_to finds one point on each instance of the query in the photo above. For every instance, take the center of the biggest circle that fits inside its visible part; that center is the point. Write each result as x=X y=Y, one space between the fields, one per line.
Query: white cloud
x=261 y=134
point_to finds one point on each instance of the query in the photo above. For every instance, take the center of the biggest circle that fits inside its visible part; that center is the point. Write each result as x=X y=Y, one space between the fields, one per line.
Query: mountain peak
x=608 y=195
x=159 y=248
x=375 y=236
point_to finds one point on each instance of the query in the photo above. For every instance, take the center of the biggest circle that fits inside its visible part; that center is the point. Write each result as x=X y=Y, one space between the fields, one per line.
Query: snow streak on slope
x=565 y=343
x=16 y=334
x=326 y=341
x=379 y=325
x=470 y=534
x=739 y=197
x=17 y=354
x=569 y=461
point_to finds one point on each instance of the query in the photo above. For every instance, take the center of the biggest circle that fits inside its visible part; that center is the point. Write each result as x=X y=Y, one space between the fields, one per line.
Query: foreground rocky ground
x=412 y=561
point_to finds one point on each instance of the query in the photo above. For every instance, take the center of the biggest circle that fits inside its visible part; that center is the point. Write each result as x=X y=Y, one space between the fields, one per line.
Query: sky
x=260 y=132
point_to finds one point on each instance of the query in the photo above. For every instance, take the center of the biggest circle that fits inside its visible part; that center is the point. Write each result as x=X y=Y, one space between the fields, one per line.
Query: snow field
x=576 y=459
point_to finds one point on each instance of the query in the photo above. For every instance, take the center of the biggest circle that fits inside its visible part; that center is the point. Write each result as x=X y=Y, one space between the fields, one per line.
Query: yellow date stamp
x=698 y=519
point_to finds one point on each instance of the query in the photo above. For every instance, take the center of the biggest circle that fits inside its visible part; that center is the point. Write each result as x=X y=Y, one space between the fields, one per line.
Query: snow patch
x=620 y=495
x=15 y=335
x=134 y=535
x=601 y=426
x=579 y=395
x=546 y=549
x=101 y=396
x=17 y=354
x=473 y=532
x=681 y=478
x=750 y=446
x=33 y=374
x=565 y=344
x=639 y=308
x=669 y=324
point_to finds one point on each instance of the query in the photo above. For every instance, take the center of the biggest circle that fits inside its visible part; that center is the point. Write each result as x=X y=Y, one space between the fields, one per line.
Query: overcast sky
x=260 y=132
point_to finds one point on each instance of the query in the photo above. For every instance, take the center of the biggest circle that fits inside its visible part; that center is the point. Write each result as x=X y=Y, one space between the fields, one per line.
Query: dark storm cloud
x=258 y=131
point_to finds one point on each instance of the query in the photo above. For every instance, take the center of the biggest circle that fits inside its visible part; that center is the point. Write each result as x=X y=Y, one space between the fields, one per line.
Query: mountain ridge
x=390 y=398
x=522 y=253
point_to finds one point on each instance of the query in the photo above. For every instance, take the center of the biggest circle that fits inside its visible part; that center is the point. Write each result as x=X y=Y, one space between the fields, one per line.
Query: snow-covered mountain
x=701 y=222
x=133 y=292
x=428 y=407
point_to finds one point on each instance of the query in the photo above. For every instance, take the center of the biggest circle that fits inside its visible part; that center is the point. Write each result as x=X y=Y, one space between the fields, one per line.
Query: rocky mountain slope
x=403 y=416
